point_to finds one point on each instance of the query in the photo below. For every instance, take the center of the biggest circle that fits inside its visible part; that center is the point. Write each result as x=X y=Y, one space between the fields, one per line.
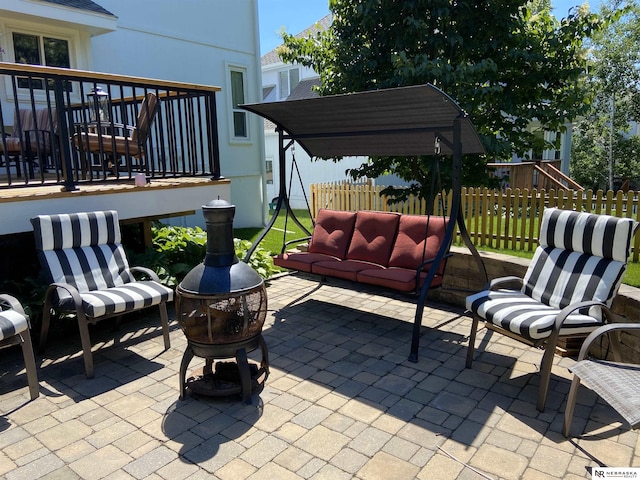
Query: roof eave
x=93 y=22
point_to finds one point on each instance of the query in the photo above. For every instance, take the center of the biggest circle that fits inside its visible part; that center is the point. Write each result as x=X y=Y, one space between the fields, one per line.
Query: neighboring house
x=563 y=153
x=283 y=81
x=200 y=42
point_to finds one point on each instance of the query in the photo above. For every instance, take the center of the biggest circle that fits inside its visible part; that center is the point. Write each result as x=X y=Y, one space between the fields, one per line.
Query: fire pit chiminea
x=221 y=307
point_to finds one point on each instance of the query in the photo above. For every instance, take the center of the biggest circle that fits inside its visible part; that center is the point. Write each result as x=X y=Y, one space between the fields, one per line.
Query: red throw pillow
x=373 y=237
x=332 y=232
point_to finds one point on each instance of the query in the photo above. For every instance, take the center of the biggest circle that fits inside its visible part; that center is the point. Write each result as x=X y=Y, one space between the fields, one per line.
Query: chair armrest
x=569 y=309
x=121 y=127
x=39 y=138
x=500 y=281
x=431 y=260
x=427 y=262
x=146 y=271
x=603 y=330
x=296 y=240
x=106 y=128
x=12 y=302
x=71 y=290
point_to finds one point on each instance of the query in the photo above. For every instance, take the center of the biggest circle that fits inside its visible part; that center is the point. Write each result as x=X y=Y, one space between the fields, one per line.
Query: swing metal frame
x=404 y=121
x=284 y=143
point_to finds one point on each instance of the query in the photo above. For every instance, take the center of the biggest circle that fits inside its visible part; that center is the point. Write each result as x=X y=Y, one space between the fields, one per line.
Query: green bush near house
x=176 y=250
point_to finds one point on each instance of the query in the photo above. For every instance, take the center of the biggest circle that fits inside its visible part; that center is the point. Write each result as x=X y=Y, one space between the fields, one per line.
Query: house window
x=39 y=50
x=269 y=172
x=240 y=128
x=289 y=80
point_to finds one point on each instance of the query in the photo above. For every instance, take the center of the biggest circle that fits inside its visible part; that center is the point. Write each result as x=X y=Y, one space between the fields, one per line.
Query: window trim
x=280 y=83
x=71 y=37
x=232 y=67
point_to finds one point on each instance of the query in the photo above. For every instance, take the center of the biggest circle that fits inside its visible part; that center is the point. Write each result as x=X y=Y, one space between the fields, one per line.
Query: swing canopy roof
x=402 y=121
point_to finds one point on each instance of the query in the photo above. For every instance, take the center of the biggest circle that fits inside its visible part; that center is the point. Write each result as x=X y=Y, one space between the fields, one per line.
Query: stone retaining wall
x=462 y=278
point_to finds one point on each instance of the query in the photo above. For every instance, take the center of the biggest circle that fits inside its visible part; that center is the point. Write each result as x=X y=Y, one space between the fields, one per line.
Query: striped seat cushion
x=520 y=314
x=116 y=300
x=84 y=250
x=12 y=323
x=581 y=257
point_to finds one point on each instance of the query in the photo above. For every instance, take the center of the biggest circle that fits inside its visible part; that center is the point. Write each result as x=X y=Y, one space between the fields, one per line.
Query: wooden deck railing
x=533 y=174
x=71 y=143
x=505 y=220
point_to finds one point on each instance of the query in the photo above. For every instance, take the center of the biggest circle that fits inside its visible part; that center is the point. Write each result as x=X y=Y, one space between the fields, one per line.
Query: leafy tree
x=506 y=62
x=603 y=148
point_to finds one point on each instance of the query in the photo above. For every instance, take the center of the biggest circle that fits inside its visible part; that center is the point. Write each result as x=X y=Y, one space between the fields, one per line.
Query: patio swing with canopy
x=398 y=122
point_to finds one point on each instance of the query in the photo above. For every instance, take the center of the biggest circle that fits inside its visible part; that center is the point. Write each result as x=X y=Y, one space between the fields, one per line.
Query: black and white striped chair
x=90 y=274
x=14 y=330
x=567 y=290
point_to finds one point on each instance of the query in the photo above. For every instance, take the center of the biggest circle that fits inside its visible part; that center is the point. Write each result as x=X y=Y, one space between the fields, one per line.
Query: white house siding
x=271 y=72
x=311 y=171
x=197 y=41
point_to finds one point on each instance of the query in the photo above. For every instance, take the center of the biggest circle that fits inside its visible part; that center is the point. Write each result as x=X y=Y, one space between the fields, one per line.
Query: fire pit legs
x=186 y=358
x=227 y=378
x=245 y=375
x=208 y=367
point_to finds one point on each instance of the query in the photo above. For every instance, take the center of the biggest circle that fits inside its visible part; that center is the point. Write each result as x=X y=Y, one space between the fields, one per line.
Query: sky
x=293 y=15
x=296 y=15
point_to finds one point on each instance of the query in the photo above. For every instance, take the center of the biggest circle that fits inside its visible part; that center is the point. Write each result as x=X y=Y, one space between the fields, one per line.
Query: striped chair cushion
x=126 y=298
x=12 y=323
x=84 y=250
x=74 y=230
x=520 y=314
x=599 y=235
x=581 y=257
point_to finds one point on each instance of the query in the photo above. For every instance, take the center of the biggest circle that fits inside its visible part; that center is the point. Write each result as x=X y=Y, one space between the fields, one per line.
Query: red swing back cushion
x=332 y=232
x=373 y=237
x=414 y=230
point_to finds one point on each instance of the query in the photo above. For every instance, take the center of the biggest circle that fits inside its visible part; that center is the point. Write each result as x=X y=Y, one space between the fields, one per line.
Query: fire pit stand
x=221 y=306
x=228 y=378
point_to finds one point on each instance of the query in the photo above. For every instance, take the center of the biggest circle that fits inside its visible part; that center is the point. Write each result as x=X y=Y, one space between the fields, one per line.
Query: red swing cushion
x=332 y=232
x=409 y=246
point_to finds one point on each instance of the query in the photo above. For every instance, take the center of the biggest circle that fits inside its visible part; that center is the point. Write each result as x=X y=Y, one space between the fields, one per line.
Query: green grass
x=274 y=240
x=631 y=276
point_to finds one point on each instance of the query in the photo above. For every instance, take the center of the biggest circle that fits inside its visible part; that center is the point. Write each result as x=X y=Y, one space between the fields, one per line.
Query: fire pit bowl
x=221 y=306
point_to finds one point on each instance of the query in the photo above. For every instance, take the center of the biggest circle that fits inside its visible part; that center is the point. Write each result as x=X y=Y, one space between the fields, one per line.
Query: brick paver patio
x=342 y=402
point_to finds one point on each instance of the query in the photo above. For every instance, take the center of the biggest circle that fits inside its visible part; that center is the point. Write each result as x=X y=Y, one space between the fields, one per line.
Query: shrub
x=176 y=250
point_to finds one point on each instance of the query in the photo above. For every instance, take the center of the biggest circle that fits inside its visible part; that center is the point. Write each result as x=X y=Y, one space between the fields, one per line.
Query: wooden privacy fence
x=508 y=219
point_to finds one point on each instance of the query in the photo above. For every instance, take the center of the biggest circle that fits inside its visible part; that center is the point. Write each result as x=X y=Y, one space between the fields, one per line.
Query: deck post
x=63 y=131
